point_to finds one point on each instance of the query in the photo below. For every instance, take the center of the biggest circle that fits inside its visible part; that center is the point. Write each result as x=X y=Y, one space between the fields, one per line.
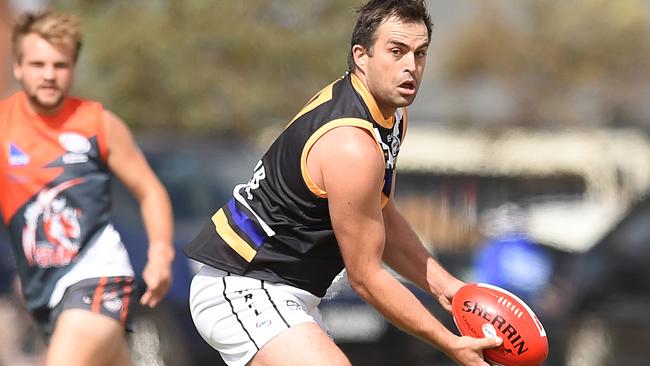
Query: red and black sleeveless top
x=54 y=188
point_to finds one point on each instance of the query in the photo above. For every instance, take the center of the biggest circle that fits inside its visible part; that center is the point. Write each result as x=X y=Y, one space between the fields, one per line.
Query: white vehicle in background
x=574 y=185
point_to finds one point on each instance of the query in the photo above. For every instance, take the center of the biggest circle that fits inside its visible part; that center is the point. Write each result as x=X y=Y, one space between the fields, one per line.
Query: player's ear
x=18 y=71
x=360 y=55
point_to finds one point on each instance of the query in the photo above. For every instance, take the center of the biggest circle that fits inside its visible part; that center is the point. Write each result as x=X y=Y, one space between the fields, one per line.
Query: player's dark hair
x=372 y=14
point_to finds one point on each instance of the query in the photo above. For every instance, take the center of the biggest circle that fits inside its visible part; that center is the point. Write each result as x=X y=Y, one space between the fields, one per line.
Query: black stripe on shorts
x=274 y=306
x=232 y=308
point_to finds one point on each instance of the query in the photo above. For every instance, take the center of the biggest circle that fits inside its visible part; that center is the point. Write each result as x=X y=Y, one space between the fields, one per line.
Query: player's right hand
x=157 y=275
x=468 y=351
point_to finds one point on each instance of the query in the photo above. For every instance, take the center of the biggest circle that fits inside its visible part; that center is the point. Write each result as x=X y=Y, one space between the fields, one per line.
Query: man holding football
x=319 y=201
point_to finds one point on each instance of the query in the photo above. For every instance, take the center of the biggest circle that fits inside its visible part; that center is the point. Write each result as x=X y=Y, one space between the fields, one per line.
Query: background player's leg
x=303 y=344
x=83 y=338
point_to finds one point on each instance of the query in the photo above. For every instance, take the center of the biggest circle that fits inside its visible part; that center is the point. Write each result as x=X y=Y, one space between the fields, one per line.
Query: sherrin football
x=482 y=310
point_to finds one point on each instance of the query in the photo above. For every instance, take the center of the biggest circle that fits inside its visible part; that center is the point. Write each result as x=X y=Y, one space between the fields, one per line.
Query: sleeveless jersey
x=54 y=188
x=277 y=227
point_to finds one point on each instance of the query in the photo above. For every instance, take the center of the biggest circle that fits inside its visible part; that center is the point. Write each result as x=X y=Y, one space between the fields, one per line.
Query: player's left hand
x=157 y=276
x=448 y=293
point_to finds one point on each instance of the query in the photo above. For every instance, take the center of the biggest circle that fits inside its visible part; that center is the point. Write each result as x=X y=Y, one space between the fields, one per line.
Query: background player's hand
x=468 y=351
x=157 y=276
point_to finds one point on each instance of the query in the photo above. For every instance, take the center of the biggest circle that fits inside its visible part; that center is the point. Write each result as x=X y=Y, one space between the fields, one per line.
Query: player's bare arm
x=405 y=253
x=353 y=181
x=129 y=165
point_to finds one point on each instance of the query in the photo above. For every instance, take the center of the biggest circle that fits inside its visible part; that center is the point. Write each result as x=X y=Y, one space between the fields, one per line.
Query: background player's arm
x=348 y=165
x=129 y=165
x=405 y=253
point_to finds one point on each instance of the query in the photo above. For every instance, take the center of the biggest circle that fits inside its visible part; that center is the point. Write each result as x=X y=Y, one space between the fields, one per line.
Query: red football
x=481 y=310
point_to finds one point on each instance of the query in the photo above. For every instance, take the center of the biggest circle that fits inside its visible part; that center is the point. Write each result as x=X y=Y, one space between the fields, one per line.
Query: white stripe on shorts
x=238 y=315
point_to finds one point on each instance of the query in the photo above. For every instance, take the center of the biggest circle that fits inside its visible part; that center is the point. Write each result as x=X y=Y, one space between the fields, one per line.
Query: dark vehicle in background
x=601 y=298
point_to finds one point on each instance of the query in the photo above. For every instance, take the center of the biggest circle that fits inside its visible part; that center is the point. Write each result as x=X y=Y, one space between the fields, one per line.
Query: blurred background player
x=320 y=200
x=56 y=162
x=18 y=346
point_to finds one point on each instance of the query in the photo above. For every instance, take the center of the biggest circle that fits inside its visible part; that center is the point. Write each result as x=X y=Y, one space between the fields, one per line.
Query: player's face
x=395 y=68
x=46 y=73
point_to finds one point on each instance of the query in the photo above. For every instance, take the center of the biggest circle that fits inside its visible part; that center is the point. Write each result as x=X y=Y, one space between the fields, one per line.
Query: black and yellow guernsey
x=277 y=226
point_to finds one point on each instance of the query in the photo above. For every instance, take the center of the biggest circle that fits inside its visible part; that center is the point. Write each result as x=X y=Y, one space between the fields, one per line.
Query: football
x=482 y=310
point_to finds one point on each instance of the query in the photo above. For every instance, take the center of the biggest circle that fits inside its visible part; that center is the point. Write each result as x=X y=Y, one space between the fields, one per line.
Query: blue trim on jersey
x=245 y=224
x=388 y=182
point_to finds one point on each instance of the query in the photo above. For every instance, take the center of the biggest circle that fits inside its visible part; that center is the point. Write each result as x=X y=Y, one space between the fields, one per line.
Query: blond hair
x=56 y=28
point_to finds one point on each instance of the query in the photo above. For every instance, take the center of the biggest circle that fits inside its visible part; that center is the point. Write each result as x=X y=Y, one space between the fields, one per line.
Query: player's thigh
x=84 y=338
x=303 y=344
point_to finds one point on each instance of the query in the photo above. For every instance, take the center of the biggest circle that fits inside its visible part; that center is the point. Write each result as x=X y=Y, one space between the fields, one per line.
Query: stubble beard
x=47 y=106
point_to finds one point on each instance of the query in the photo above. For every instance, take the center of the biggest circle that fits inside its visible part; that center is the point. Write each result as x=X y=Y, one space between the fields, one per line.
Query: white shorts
x=238 y=315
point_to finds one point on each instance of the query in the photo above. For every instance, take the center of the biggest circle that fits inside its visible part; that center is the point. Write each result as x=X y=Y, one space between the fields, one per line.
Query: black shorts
x=110 y=296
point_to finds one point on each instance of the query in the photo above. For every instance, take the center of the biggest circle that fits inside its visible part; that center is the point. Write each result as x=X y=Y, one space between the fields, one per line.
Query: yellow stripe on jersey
x=372 y=104
x=355 y=122
x=321 y=97
x=231 y=238
x=384 y=200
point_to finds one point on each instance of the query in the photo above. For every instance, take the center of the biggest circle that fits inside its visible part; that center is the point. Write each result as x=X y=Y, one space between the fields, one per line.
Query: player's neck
x=385 y=112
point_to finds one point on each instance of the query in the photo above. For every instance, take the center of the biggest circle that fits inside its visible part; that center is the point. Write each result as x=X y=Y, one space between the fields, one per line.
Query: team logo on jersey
x=74 y=142
x=394 y=138
x=77 y=146
x=51 y=235
x=394 y=144
x=390 y=144
x=16 y=156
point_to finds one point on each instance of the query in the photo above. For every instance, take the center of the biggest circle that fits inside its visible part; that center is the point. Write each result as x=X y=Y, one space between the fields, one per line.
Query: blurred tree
x=581 y=62
x=203 y=66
